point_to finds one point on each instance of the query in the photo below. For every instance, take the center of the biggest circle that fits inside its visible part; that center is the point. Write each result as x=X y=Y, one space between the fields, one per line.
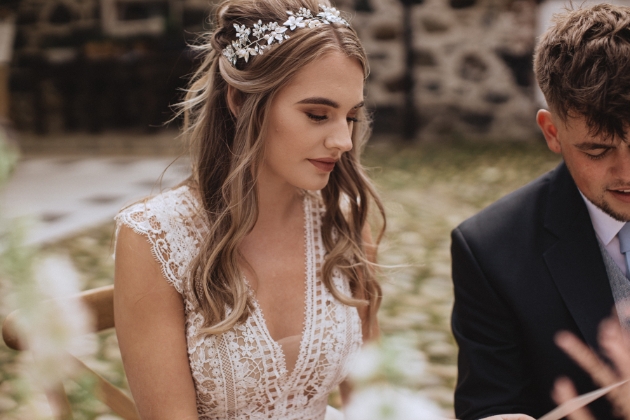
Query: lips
x=324 y=164
x=621 y=194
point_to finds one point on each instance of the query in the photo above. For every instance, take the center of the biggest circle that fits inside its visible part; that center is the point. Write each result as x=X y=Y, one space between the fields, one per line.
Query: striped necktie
x=624 y=245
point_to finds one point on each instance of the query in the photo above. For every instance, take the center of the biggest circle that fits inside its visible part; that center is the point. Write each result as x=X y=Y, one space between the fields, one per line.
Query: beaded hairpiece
x=265 y=35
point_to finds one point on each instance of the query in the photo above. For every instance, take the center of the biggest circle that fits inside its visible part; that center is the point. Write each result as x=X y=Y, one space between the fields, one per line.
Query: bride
x=244 y=292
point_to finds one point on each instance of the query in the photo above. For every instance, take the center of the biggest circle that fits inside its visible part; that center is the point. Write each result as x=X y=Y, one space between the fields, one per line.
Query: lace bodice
x=241 y=374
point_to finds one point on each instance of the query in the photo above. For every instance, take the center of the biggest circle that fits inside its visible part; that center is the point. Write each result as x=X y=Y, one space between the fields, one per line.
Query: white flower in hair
x=242 y=32
x=295 y=22
x=259 y=29
x=228 y=52
x=276 y=33
x=330 y=15
x=266 y=34
x=314 y=23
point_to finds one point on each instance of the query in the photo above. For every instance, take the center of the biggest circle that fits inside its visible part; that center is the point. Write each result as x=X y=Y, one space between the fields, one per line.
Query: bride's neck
x=277 y=202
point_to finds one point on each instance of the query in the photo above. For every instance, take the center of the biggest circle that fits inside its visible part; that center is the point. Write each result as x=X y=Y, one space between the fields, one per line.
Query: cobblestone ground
x=427 y=191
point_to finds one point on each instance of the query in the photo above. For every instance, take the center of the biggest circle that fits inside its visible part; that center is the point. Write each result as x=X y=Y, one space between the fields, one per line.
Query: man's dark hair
x=582 y=64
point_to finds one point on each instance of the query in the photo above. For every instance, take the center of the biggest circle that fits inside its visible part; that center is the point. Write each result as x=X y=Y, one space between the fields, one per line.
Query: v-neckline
x=287 y=377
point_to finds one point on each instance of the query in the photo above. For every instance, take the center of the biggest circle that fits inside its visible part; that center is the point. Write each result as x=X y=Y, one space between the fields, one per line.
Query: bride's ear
x=234 y=100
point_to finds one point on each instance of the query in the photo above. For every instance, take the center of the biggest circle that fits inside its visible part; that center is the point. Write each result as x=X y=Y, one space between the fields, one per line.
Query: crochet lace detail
x=241 y=374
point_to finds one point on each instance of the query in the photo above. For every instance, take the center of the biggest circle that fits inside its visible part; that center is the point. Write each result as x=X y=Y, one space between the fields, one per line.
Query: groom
x=547 y=257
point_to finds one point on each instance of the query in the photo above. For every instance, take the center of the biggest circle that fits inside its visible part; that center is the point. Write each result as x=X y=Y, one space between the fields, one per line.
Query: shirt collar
x=605 y=226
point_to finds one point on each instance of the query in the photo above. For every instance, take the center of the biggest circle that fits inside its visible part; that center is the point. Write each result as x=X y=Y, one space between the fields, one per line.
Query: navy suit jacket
x=525 y=268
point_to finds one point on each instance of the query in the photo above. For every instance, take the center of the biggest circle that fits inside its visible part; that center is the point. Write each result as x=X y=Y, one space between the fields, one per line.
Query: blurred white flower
x=367 y=364
x=379 y=374
x=385 y=402
x=56 y=277
x=394 y=360
x=50 y=324
x=34 y=404
x=48 y=327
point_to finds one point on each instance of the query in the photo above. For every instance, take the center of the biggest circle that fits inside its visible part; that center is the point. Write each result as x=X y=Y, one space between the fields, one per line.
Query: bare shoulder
x=139 y=278
x=149 y=311
x=137 y=271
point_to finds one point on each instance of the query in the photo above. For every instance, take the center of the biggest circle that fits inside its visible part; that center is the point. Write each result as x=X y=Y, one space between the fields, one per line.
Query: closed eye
x=598 y=154
x=317 y=118
x=594 y=149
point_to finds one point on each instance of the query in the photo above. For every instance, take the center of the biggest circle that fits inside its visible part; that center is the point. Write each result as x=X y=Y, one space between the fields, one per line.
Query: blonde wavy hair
x=227 y=153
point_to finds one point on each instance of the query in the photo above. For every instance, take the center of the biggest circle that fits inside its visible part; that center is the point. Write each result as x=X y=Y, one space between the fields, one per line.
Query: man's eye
x=315 y=117
x=598 y=155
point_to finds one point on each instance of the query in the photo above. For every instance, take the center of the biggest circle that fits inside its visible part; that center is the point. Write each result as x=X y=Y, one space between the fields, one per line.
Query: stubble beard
x=606 y=208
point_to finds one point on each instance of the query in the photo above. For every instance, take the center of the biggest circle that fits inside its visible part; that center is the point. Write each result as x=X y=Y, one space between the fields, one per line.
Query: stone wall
x=472 y=66
x=44 y=23
x=76 y=68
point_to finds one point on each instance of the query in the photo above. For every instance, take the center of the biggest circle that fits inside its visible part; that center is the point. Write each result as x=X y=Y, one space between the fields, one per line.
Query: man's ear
x=234 y=100
x=550 y=131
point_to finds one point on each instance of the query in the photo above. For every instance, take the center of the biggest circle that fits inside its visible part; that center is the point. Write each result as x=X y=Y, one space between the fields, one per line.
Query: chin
x=621 y=213
x=313 y=184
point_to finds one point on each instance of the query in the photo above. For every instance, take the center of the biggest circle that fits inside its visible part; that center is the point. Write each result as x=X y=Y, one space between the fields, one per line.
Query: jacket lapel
x=575 y=261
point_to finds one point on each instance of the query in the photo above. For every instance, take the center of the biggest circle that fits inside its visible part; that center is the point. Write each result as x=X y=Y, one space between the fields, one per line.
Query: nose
x=623 y=163
x=340 y=137
x=621 y=167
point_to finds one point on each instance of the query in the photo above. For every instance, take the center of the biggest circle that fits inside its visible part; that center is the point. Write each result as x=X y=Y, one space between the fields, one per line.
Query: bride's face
x=310 y=122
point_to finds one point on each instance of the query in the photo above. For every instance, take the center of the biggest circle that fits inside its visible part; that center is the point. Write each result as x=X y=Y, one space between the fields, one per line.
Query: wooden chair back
x=101 y=303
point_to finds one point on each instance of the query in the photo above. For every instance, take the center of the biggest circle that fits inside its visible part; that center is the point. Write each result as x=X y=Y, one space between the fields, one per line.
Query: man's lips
x=324 y=164
x=621 y=194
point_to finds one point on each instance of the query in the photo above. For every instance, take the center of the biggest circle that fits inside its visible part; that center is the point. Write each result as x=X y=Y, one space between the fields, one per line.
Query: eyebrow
x=325 y=101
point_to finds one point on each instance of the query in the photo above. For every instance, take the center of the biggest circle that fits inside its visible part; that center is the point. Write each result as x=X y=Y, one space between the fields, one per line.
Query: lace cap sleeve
x=167 y=221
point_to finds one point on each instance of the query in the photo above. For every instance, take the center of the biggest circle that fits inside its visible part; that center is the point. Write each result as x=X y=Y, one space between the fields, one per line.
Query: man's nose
x=622 y=165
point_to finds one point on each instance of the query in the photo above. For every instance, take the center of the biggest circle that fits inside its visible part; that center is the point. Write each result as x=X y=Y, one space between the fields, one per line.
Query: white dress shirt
x=607 y=229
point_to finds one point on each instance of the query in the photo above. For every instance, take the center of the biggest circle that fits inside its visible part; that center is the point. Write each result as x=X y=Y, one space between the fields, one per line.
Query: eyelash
x=320 y=118
x=316 y=118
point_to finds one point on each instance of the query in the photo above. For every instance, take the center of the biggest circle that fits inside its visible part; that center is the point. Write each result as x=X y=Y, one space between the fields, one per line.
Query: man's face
x=599 y=166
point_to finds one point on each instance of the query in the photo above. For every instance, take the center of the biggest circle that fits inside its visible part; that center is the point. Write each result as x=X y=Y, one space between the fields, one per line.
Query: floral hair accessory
x=265 y=35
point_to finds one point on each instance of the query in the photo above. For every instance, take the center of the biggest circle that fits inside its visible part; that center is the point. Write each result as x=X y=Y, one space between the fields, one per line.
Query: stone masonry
x=471 y=64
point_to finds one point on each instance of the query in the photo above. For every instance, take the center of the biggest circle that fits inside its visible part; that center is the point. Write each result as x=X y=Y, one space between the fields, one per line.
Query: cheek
x=589 y=176
x=285 y=129
x=277 y=138
x=282 y=151
x=293 y=138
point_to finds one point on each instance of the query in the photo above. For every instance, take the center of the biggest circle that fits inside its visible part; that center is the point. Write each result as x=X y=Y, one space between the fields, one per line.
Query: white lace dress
x=241 y=374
